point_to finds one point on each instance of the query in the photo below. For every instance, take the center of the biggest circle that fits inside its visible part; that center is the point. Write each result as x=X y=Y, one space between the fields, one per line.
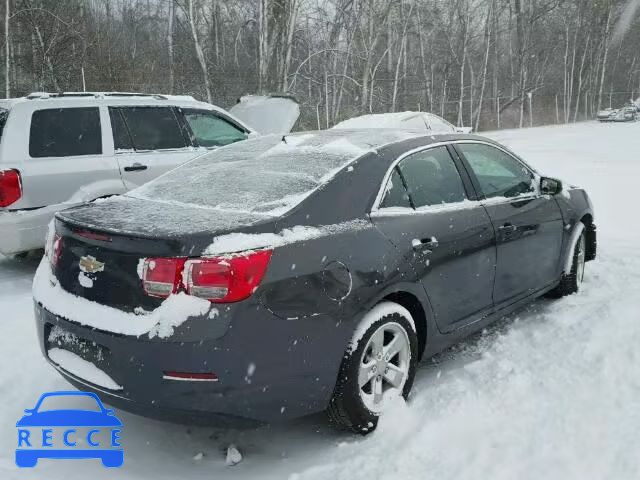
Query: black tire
x=570 y=283
x=347 y=409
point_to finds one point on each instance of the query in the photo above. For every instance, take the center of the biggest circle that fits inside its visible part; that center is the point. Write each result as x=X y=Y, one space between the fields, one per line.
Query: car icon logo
x=36 y=435
x=89 y=264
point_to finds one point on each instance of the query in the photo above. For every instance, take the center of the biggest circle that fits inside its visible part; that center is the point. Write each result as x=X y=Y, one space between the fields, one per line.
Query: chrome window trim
x=449 y=206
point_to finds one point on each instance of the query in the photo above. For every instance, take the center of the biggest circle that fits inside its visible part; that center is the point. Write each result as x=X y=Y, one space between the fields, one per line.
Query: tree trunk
x=7 y=79
x=172 y=16
x=200 y=54
x=604 y=56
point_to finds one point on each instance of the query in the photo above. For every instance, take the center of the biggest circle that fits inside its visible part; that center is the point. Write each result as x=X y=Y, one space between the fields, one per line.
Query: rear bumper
x=269 y=369
x=25 y=230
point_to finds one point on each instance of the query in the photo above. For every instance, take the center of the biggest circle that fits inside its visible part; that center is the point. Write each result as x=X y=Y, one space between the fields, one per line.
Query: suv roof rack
x=45 y=95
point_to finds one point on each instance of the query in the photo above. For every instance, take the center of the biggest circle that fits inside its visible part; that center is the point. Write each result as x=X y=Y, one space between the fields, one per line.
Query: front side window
x=210 y=130
x=65 y=132
x=432 y=178
x=150 y=128
x=498 y=173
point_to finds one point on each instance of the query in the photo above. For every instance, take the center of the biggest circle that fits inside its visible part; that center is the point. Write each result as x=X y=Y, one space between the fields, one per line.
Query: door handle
x=508 y=228
x=136 y=167
x=424 y=243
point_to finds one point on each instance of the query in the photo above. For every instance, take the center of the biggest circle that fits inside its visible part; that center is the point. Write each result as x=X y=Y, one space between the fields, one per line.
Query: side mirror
x=550 y=186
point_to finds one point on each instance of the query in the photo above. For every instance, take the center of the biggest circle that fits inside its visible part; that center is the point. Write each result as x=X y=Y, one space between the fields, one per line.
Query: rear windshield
x=265 y=175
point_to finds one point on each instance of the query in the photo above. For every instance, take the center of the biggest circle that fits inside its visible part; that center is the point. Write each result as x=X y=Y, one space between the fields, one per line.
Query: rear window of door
x=211 y=130
x=146 y=128
x=440 y=125
x=65 y=132
x=498 y=173
x=395 y=193
x=432 y=178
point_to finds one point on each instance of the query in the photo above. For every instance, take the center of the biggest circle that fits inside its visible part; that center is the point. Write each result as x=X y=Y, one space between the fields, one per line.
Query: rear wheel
x=378 y=366
x=571 y=282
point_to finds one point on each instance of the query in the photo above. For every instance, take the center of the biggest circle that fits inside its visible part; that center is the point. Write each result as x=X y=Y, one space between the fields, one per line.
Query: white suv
x=60 y=150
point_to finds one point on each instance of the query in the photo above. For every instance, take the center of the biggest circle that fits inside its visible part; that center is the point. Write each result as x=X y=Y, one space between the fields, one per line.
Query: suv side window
x=121 y=137
x=395 y=194
x=432 y=178
x=149 y=128
x=210 y=130
x=498 y=173
x=65 y=132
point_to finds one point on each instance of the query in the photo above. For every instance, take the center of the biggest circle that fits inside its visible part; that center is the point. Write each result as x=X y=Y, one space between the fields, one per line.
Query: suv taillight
x=10 y=187
x=217 y=279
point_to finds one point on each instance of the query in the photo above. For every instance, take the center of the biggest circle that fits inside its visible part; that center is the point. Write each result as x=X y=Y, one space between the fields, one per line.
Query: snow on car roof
x=398 y=120
x=266 y=176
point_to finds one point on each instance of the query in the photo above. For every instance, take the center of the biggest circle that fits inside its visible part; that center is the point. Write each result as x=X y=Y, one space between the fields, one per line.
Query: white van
x=60 y=150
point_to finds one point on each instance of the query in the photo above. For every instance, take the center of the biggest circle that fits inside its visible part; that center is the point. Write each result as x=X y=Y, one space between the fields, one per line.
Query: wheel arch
x=416 y=309
x=412 y=297
x=591 y=236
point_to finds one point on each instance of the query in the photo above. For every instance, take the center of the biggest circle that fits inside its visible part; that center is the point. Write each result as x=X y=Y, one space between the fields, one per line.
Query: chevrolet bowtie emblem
x=89 y=264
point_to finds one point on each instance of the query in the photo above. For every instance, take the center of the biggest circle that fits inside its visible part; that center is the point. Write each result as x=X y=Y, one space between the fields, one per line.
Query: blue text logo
x=69 y=433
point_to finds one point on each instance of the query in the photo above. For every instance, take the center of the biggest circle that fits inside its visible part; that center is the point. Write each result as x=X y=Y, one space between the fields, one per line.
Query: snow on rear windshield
x=265 y=175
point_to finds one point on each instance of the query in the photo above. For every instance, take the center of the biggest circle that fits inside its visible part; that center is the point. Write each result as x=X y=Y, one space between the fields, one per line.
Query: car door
x=64 y=160
x=528 y=225
x=428 y=211
x=148 y=141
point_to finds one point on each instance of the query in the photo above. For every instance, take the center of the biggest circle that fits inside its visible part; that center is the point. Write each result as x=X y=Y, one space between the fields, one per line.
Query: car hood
x=267 y=113
x=69 y=418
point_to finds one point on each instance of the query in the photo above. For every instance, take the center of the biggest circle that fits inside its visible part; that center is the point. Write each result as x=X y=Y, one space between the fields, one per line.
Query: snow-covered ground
x=552 y=392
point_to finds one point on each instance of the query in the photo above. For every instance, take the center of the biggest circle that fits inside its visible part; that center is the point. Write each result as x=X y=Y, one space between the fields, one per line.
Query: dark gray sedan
x=283 y=276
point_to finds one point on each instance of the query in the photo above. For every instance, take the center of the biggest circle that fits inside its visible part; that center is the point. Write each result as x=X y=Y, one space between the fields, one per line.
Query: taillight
x=161 y=276
x=54 y=249
x=226 y=279
x=10 y=187
x=218 y=279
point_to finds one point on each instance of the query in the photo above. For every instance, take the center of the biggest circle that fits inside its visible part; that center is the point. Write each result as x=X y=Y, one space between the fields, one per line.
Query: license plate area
x=57 y=337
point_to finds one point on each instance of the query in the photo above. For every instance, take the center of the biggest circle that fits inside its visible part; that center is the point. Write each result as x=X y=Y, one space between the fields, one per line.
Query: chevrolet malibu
x=284 y=276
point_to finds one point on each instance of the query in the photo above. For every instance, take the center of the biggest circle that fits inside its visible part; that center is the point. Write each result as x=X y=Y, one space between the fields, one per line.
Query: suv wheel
x=378 y=366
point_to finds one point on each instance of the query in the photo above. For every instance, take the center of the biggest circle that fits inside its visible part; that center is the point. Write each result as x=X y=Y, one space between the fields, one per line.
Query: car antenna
x=284 y=138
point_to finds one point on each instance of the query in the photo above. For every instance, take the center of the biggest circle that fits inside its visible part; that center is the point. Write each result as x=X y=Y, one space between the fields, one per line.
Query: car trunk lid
x=104 y=245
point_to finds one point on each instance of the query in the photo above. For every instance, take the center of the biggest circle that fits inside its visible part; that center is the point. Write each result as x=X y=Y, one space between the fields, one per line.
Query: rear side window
x=4 y=114
x=149 y=128
x=210 y=130
x=395 y=195
x=439 y=125
x=121 y=137
x=65 y=132
x=432 y=178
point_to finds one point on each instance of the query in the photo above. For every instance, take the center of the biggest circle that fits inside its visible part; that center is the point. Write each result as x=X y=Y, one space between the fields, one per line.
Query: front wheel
x=571 y=282
x=378 y=366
